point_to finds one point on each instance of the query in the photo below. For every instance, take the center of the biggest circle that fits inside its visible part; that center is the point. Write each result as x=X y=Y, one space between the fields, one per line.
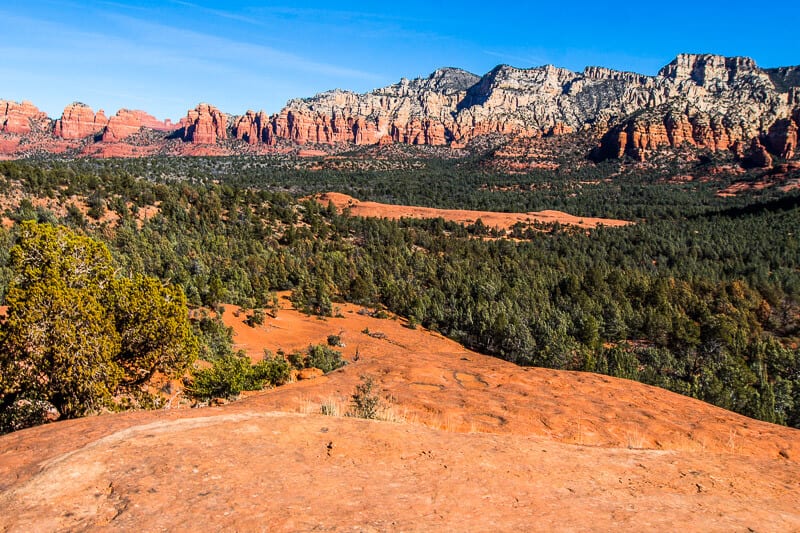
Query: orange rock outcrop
x=640 y=137
x=758 y=155
x=254 y=128
x=782 y=137
x=321 y=128
x=16 y=118
x=79 y=121
x=127 y=122
x=205 y=124
x=474 y=443
x=418 y=131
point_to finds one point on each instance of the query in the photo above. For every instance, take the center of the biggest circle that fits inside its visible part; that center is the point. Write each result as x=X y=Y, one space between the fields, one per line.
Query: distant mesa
x=697 y=100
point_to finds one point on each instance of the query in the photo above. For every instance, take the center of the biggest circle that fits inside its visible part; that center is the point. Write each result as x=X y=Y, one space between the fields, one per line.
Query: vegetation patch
x=700 y=296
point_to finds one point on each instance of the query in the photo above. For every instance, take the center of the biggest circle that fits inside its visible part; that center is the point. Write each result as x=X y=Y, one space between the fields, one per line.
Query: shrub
x=272 y=370
x=226 y=378
x=324 y=358
x=297 y=359
x=365 y=402
x=232 y=374
x=216 y=339
x=334 y=340
x=25 y=413
x=77 y=335
x=256 y=318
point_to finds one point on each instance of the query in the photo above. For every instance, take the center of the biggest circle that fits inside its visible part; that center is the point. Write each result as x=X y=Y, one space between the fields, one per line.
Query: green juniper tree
x=76 y=333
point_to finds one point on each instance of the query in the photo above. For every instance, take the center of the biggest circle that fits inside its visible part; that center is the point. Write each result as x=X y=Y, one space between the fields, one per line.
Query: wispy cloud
x=221 y=13
x=229 y=51
x=149 y=43
x=339 y=14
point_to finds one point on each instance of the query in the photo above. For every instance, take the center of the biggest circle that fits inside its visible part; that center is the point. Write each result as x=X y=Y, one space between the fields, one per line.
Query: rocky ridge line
x=699 y=100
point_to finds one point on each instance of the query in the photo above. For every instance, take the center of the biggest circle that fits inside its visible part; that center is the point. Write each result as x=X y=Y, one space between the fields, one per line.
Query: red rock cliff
x=18 y=118
x=79 y=121
x=337 y=127
x=127 y=122
x=205 y=124
x=254 y=128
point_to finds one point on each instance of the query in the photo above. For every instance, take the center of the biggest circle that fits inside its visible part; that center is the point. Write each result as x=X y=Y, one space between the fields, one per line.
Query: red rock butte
x=16 y=118
x=79 y=121
x=205 y=125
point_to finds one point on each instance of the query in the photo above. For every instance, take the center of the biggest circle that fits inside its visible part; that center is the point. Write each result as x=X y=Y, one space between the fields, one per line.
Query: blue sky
x=167 y=56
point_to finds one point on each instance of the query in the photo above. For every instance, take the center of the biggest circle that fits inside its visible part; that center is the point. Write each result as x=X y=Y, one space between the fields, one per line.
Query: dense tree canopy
x=701 y=296
x=76 y=333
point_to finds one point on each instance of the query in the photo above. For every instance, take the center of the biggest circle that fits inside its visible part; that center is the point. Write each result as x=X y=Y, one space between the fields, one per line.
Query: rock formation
x=254 y=128
x=463 y=451
x=205 y=124
x=782 y=137
x=758 y=156
x=697 y=100
x=127 y=122
x=411 y=111
x=79 y=121
x=18 y=118
x=712 y=102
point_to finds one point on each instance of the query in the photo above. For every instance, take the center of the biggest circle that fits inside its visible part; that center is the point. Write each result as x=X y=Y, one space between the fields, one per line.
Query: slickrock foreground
x=477 y=444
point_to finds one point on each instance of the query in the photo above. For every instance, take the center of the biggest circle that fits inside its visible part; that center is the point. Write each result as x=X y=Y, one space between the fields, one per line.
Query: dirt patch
x=492 y=219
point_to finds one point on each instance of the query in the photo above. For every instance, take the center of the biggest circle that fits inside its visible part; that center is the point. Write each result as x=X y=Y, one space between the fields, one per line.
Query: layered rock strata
x=127 y=122
x=697 y=100
x=700 y=100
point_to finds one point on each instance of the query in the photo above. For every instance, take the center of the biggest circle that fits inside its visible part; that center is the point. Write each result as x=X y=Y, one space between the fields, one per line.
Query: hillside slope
x=477 y=444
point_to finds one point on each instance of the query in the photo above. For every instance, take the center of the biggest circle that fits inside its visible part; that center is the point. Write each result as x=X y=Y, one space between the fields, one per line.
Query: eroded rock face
x=700 y=100
x=322 y=128
x=79 y=121
x=782 y=138
x=205 y=124
x=758 y=156
x=254 y=128
x=697 y=100
x=411 y=111
x=20 y=118
x=127 y=122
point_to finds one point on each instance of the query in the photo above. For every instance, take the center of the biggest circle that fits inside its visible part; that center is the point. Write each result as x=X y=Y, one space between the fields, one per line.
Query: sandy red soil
x=475 y=444
x=779 y=177
x=491 y=219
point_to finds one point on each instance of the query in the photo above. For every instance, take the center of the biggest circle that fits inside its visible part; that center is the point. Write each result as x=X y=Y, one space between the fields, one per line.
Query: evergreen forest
x=701 y=295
